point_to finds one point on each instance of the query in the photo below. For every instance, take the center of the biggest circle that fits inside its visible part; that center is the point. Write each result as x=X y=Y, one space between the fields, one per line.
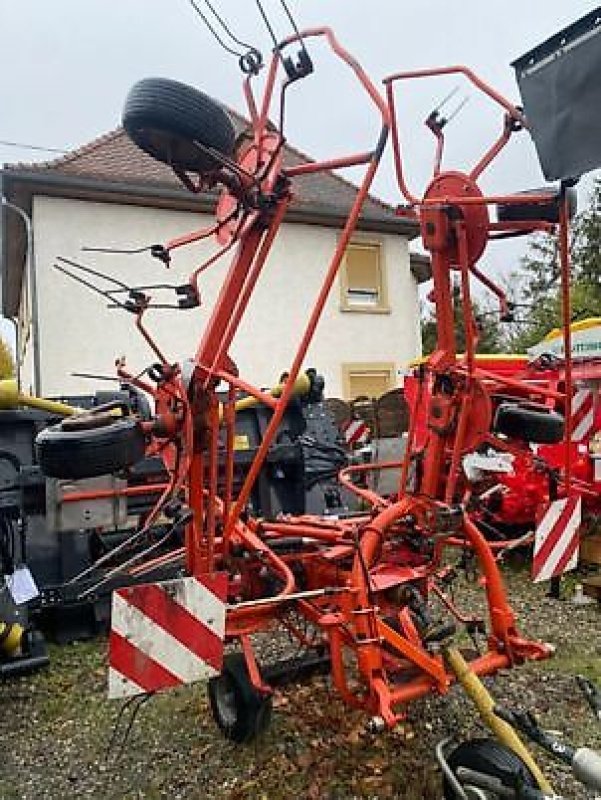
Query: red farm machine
x=362 y=584
x=511 y=485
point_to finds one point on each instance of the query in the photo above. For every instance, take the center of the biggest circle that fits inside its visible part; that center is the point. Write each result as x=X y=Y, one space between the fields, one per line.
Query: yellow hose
x=478 y=694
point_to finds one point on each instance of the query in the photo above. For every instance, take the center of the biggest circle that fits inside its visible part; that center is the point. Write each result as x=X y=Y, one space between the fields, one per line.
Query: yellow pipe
x=478 y=694
x=11 y=397
x=302 y=386
x=11 y=635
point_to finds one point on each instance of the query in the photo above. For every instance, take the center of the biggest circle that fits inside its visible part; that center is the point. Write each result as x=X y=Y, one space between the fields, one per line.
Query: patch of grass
x=8 y=791
x=573 y=662
x=59 y=724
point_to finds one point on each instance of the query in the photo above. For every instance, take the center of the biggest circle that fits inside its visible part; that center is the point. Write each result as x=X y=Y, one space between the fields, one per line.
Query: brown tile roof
x=113 y=169
x=114 y=158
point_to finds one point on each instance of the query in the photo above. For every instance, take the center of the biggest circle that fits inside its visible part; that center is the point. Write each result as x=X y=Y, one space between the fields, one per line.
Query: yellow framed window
x=362 y=279
x=367 y=379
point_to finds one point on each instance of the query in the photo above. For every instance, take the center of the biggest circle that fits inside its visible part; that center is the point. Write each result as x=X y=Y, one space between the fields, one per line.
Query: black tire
x=529 y=424
x=492 y=758
x=164 y=118
x=241 y=712
x=90 y=452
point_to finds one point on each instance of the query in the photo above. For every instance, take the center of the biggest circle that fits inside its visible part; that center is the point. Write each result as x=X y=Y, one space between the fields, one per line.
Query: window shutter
x=369 y=384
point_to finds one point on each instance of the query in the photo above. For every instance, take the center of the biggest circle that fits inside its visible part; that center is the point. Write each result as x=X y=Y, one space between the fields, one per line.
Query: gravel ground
x=56 y=726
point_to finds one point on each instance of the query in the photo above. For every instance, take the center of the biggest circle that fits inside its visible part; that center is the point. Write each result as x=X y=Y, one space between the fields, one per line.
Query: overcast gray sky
x=68 y=64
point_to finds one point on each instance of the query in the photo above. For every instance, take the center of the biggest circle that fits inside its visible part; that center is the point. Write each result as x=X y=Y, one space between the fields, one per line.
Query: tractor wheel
x=491 y=758
x=169 y=120
x=241 y=712
x=529 y=424
x=89 y=446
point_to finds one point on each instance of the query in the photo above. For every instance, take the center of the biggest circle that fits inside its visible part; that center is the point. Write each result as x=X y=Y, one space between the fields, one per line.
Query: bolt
x=376 y=725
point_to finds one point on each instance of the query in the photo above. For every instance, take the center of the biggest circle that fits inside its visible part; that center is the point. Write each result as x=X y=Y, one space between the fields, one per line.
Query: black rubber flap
x=560 y=84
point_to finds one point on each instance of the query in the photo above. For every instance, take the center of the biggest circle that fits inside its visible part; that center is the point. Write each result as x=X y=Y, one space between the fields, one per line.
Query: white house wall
x=79 y=333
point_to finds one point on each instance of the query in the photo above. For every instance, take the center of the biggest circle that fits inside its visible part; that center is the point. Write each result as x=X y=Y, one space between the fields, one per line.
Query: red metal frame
x=514 y=501
x=357 y=573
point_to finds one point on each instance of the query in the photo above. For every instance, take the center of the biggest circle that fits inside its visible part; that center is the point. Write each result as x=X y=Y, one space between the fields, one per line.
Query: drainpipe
x=15 y=322
x=31 y=272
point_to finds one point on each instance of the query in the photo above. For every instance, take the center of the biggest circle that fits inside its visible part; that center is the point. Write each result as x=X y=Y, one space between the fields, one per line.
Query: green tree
x=7 y=364
x=489 y=330
x=539 y=305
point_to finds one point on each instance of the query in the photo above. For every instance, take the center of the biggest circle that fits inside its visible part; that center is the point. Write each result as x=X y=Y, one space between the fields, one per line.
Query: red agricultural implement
x=362 y=586
x=508 y=495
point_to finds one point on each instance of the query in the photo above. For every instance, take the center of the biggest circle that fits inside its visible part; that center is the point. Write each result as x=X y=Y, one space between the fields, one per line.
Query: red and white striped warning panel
x=583 y=415
x=556 y=539
x=356 y=431
x=165 y=634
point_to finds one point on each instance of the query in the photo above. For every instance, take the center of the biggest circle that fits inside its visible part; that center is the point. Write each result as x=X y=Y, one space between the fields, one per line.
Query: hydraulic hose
x=481 y=698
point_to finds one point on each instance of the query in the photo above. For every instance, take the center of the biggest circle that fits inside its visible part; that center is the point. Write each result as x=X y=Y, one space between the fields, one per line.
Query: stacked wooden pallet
x=590 y=553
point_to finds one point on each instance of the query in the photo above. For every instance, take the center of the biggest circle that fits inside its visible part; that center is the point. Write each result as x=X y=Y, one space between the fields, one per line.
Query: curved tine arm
x=498 y=98
x=242 y=228
x=256 y=544
x=373 y=498
x=345 y=56
x=151 y=343
x=512 y=111
x=190 y=238
x=137 y=382
x=396 y=150
x=493 y=287
x=494 y=150
x=259 y=120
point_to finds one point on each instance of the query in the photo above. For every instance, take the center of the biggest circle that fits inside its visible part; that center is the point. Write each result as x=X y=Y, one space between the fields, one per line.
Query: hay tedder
x=356 y=591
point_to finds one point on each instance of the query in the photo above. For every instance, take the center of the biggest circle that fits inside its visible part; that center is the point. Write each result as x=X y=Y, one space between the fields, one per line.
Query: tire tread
x=177 y=115
x=89 y=453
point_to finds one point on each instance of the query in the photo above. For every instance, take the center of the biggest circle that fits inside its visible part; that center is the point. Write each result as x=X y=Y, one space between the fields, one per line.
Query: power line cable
x=25 y=146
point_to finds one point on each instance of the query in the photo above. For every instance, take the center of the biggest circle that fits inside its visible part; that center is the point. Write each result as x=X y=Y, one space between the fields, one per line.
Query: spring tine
x=456 y=111
x=446 y=99
x=95 y=377
x=122 y=567
x=117 y=251
x=87 y=284
x=90 y=271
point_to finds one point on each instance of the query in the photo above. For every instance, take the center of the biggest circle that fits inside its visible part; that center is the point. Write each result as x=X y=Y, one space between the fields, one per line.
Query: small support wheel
x=178 y=125
x=89 y=445
x=241 y=712
x=491 y=758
